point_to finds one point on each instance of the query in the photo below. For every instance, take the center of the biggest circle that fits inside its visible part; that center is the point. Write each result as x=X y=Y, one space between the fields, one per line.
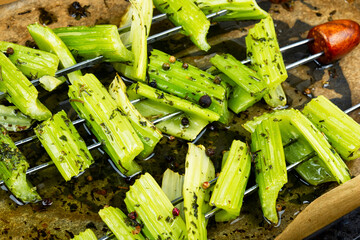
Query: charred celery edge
x=189 y=83
x=190 y=17
x=147 y=132
x=342 y=132
x=198 y=169
x=173 y=101
x=48 y=41
x=93 y=102
x=13 y=120
x=20 y=91
x=93 y=41
x=270 y=166
x=33 y=63
x=321 y=146
x=154 y=210
x=119 y=223
x=13 y=167
x=64 y=145
x=230 y=187
x=88 y=234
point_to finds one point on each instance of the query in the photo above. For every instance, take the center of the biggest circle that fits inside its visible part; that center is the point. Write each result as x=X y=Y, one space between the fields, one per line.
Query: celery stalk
x=64 y=145
x=230 y=187
x=342 y=131
x=119 y=224
x=198 y=169
x=92 y=102
x=13 y=166
x=173 y=101
x=186 y=14
x=172 y=185
x=33 y=63
x=270 y=165
x=13 y=120
x=189 y=83
x=237 y=9
x=146 y=131
x=140 y=28
x=153 y=110
x=88 y=234
x=48 y=41
x=154 y=210
x=49 y=83
x=20 y=91
x=264 y=52
x=93 y=41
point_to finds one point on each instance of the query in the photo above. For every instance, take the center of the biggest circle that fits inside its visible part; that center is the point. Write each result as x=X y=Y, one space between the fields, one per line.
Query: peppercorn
x=175 y=212
x=10 y=51
x=172 y=59
x=185 y=121
x=210 y=152
x=166 y=66
x=185 y=65
x=205 y=101
x=217 y=80
x=132 y=215
x=153 y=84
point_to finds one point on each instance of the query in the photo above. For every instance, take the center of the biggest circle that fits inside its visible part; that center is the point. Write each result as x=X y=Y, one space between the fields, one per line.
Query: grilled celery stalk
x=154 y=210
x=33 y=63
x=190 y=17
x=172 y=185
x=329 y=157
x=189 y=83
x=173 y=101
x=248 y=86
x=92 y=102
x=142 y=11
x=48 y=41
x=230 y=187
x=198 y=169
x=49 y=83
x=13 y=166
x=93 y=41
x=13 y=120
x=88 y=234
x=270 y=165
x=64 y=145
x=174 y=127
x=237 y=9
x=146 y=131
x=20 y=91
x=342 y=131
x=264 y=52
x=119 y=224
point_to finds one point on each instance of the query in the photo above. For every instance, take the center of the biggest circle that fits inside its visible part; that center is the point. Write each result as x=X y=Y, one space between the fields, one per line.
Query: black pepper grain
x=205 y=101
x=166 y=66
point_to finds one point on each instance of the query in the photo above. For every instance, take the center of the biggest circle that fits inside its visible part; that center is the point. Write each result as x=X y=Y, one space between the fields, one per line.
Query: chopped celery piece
x=142 y=11
x=173 y=101
x=49 y=83
x=153 y=110
x=13 y=120
x=154 y=210
x=33 y=63
x=186 y=14
x=342 y=131
x=93 y=41
x=198 y=169
x=237 y=9
x=270 y=165
x=119 y=224
x=13 y=166
x=64 y=145
x=189 y=83
x=88 y=234
x=172 y=185
x=146 y=131
x=20 y=91
x=329 y=157
x=48 y=41
x=264 y=52
x=93 y=102
x=230 y=187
